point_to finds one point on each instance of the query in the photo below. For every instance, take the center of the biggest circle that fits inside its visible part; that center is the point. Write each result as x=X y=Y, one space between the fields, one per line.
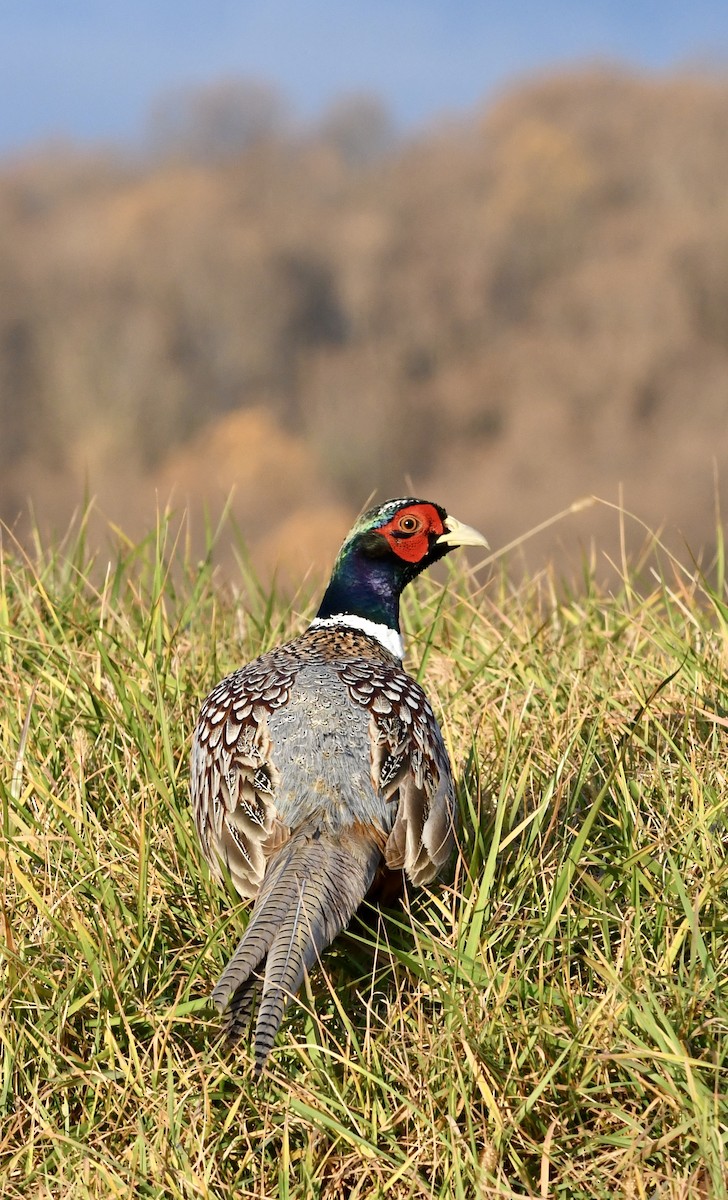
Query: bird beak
x=457 y=534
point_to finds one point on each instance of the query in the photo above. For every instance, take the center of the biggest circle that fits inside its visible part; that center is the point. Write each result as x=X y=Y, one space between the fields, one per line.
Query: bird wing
x=410 y=766
x=233 y=780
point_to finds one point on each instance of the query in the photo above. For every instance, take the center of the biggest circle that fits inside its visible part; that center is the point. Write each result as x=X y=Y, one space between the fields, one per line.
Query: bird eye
x=409 y=524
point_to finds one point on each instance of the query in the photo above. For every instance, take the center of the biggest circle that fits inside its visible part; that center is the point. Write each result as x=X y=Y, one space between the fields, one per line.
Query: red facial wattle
x=409 y=532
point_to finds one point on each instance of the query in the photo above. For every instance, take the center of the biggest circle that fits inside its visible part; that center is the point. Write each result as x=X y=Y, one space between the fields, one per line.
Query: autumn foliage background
x=505 y=312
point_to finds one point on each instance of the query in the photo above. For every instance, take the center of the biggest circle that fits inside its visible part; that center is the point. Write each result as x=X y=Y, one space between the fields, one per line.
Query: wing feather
x=233 y=780
x=410 y=766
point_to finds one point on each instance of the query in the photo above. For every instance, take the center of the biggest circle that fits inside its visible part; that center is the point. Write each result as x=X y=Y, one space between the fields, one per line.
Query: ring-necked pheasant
x=320 y=765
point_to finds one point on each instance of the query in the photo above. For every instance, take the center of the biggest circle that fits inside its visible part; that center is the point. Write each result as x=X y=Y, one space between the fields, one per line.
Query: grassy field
x=551 y=1021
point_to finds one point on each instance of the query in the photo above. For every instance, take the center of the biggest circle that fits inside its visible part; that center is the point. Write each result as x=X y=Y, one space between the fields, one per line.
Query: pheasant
x=319 y=768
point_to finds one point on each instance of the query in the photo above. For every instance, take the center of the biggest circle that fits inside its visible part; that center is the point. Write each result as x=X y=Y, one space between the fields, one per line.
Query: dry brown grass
x=551 y=1023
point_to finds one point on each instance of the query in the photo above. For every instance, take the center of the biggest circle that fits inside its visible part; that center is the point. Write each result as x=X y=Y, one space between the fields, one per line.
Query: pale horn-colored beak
x=457 y=534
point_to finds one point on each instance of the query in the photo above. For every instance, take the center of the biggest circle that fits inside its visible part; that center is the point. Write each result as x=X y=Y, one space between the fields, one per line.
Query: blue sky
x=88 y=69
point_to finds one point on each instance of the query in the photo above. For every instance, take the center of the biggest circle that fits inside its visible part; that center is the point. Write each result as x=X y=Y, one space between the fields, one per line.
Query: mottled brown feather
x=234 y=780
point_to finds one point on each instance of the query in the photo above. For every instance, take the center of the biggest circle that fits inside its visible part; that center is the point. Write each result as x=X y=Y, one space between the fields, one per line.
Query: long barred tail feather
x=240 y=1009
x=310 y=892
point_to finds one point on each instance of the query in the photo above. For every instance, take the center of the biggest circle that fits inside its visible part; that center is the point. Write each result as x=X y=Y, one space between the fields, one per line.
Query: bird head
x=387 y=547
x=412 y=532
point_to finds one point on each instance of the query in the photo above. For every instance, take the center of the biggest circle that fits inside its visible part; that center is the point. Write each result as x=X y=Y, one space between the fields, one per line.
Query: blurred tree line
x=507 y=311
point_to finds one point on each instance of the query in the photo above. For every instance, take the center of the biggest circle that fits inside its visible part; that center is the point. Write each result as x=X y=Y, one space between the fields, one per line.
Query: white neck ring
x=391 y=639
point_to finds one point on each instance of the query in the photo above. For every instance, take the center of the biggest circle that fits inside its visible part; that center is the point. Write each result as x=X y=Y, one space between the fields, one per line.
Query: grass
x=552 y=1022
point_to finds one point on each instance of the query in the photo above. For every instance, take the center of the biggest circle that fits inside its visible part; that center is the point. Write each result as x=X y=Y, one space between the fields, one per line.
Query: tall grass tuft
x=550 y=1022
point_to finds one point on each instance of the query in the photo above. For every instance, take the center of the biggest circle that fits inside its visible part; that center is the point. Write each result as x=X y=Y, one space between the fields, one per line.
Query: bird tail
x=311 y=889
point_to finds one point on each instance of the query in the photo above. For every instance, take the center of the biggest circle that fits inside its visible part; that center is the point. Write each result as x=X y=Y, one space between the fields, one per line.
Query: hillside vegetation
x=550 y=1021
x=509 y=311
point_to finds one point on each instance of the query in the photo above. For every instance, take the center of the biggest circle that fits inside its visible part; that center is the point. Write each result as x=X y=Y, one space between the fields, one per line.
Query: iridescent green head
x=387 y=548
